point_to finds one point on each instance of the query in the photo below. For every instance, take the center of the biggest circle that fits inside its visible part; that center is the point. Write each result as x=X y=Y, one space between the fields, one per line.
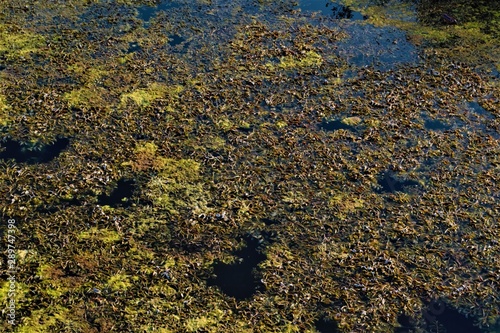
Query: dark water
x=383 y=48
x=23 y=152
x=439 y=317
x=120 y=196
x=330 y=9
x=334 y=125
x=134 y=47
x=239 y=280
x=436 y=125
x=146 y=13
x=390 y=183
x=326 y=325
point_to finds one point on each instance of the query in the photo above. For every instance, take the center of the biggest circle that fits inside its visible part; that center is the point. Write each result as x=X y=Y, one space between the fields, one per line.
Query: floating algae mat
x=249 y=166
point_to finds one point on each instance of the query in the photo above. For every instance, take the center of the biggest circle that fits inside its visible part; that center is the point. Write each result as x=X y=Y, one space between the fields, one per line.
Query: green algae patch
x=225 y=124
x=281 y=124
x=178 y=187
x=86 y=97
x=352 y=121
x=344 y=204
x=53 y=319
x=308 y=59
x=144 y=157
x=103 y=235
x=146 y=96
x=119 y=282
x=14 y=44
x=207 y=322
x=21 y=292
x=5 y=118
x=176 y=183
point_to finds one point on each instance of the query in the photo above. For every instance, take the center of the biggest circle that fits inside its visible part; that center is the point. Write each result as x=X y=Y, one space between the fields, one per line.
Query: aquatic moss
x=206 y=322
x=225 y=124
x=177 y=186
x=351 y=121
x=345 y=204
x=308 y=59
x=103 y=235
x=52 y=319
x=360 y=261
x=18 y=43
x=86 y=97
x=145 y=157
x=21 y=293
x=119 y=282
x=5 y=118
x=281 y=124
x=168 y=194
x=154 y=91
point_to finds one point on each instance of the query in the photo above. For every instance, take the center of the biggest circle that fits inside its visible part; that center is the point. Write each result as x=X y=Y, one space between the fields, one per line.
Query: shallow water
x=370 y=157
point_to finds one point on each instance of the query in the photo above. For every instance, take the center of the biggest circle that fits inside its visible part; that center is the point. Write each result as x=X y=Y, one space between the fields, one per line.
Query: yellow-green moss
x=344 y=204
x=119 y=282
x=144 y=97
x=4 y=112
x=145 y=157
x=20 y=292
x=104 y=235
x=183 y=170
x=308 y=59
x=165 y=193
x=224 y=124
x=351 y=121
x=177 y=186
x=206 y=322
x=91 y=74
x=19 y=43
x=281 y=124
x=53 y=319
x=216 y=142
x=85 y=97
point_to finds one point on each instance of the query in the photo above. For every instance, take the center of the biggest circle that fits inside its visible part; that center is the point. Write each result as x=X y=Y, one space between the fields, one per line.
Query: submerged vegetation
x=355 y=185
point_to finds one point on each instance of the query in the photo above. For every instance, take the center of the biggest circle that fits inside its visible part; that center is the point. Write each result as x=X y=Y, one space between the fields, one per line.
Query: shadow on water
x=25 y=153
x=239 y=280
x=332 y=9
x=120 y=196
